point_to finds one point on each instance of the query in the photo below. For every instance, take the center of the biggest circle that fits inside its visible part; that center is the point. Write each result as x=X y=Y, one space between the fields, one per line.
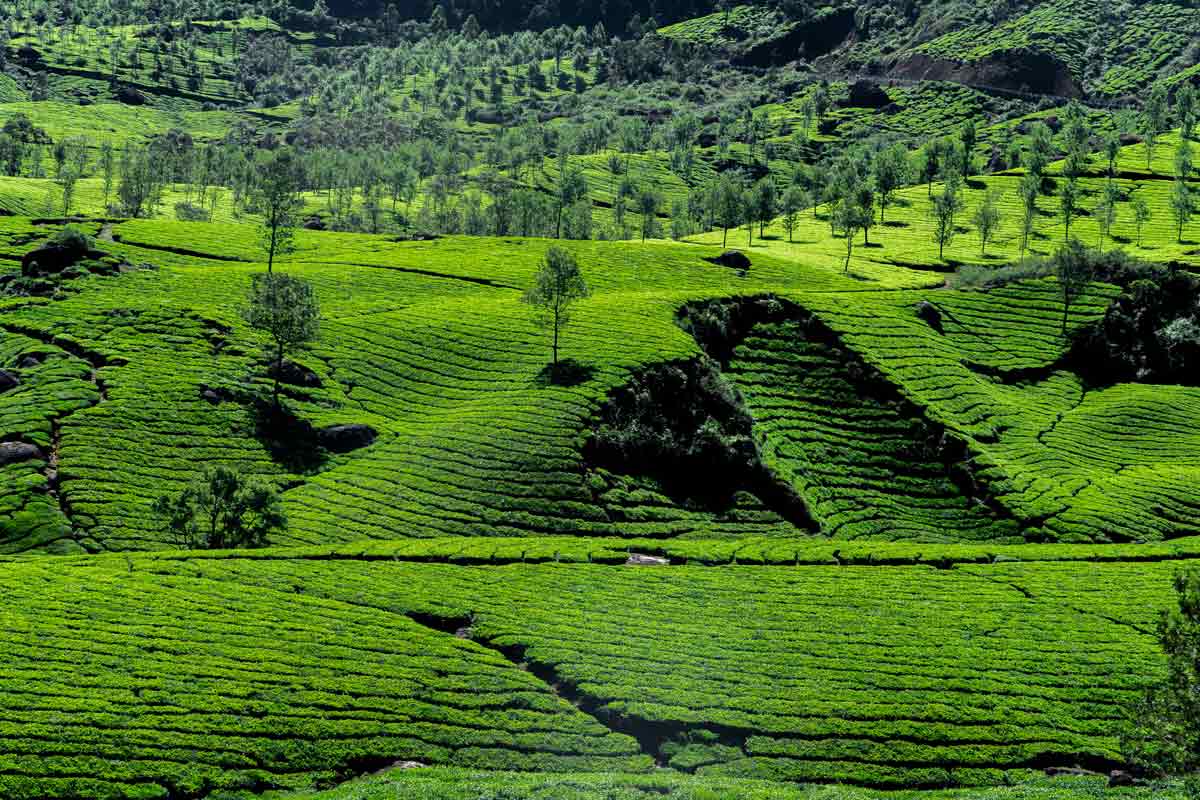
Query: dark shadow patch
x=567 y=372
x=292 y=442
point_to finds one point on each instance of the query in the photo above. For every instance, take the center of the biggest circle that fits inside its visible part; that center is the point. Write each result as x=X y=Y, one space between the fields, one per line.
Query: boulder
x=314 y=224
x=734 y=259
x=294 y=374
x=1076 y=771
x=344 y=438
x=16 y=452
x=867 y=94
x=8 y=380
x=1119 y=777
x=395 y=765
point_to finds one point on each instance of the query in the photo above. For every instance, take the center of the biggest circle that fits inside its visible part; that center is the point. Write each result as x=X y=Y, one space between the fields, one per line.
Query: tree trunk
x=278 y=370
x=725 y=236
x=555 y=345
x=1066 y=311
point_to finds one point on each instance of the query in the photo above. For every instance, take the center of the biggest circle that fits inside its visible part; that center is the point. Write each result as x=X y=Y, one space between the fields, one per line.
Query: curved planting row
x=427 y=343
x=890 y=676
x=118 y=683
x=868 y=466
x=1071 y=462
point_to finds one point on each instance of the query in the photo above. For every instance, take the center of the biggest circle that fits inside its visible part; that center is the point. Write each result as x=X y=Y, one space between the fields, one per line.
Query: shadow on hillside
x=895 y=223
x=292 y=442
x=567 y=372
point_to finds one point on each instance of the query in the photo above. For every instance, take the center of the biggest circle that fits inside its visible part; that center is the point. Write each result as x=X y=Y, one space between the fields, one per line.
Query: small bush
x=974 y=276
x=190 y=212
x=72 y=239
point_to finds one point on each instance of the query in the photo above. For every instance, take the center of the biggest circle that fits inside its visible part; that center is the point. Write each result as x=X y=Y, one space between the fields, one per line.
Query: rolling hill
x=813 y=507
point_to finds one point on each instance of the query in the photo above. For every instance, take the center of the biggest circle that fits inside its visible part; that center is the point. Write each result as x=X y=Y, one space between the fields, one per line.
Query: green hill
x=863 y=468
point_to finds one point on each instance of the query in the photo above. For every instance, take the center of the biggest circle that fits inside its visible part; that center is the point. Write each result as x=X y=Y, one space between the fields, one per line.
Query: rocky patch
x=17 y=452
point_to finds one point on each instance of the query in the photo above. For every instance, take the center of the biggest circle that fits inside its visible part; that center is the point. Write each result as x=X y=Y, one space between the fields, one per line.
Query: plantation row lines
x=799 y=672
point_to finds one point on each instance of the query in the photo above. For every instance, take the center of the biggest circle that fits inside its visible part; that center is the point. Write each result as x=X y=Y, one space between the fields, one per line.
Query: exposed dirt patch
x=1026 y=71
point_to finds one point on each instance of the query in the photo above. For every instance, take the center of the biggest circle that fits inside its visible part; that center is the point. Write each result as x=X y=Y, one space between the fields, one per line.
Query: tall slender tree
x=275 y=194
x=558 y=284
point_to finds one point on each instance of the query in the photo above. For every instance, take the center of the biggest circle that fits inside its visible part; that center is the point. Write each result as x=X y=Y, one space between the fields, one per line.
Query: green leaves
x=221 y=509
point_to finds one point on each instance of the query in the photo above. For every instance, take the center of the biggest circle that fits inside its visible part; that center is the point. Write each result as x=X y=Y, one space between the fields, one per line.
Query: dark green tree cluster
x=222 y=509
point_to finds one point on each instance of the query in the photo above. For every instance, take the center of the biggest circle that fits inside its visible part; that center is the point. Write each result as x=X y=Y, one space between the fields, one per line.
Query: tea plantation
x=864 y=465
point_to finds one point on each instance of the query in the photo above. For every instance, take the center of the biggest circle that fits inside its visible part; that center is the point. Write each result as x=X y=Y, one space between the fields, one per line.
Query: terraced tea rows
x=1059 y=457
x=424 y=342
x=121 y=684
x=453 y=784
x=796 y=673
x=867 y=466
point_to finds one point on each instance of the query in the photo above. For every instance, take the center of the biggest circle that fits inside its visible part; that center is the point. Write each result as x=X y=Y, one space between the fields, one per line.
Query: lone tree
x=1141 y=215
x=987 y=219
x=286 y=309
x=276 y=195
x=891 y=171
x=945 y=206
x=763 y=204
x=1073 y=268
x=1163 y=736
x=1028 y=190
x=794 y=199
x=1106 y=211
x=1154 y=120
x=649 y=201
x=1068 y=204
x=727 y=202
x=1182 y=206
x=558 y=284
x=222 y=509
